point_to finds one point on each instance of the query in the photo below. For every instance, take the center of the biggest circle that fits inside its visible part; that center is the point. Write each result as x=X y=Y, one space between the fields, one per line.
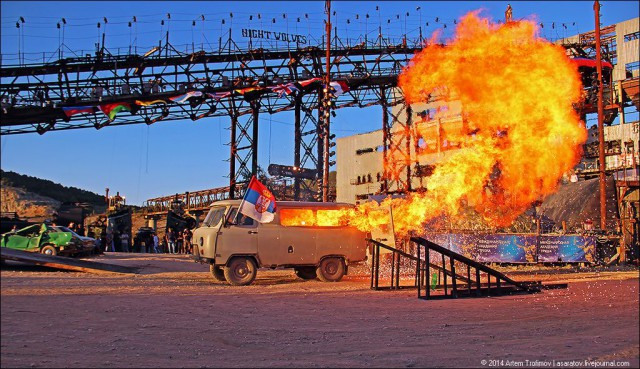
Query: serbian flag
x=340 y=87
x=110 y=110
x=258 y=202
x=73 y=110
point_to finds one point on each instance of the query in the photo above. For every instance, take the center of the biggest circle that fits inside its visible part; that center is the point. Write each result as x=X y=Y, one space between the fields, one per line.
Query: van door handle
x=253 y=232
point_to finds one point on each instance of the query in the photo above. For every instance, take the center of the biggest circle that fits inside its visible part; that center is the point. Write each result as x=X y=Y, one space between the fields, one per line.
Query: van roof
x=288 y=204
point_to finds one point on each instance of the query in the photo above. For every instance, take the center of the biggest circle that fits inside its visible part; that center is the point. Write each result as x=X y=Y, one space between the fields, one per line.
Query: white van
x=306 y=236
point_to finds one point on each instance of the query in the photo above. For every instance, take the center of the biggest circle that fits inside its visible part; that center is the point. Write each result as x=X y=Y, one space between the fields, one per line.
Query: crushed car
x=42 y=238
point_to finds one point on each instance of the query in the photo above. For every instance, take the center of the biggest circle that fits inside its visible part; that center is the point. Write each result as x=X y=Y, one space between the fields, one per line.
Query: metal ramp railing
x=448 y=279
x=472 y=284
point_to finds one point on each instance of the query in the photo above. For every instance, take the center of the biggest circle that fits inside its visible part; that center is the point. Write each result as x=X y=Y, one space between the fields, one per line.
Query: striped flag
x=258 y=202
x=149 y=103
x=73 y=110
x=183 y=98
x=340 y=87
x=110 y=110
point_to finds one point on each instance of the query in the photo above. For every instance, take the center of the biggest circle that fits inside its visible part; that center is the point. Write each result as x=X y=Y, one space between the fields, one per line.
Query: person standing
x=186 y=240
x=124 y=241
x=171 y=241
x=156 y=242
x=109 y=242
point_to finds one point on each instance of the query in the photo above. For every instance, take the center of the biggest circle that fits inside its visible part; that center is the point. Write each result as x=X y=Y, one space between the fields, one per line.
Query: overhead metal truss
x=397 y=140
x=197 y=201
x=34 y=95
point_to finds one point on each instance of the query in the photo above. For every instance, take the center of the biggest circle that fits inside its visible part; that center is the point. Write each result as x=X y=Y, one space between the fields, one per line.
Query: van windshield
x=214 y=216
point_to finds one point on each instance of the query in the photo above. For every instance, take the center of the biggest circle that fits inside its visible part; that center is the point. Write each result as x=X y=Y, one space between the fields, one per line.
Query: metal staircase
x=441 y=273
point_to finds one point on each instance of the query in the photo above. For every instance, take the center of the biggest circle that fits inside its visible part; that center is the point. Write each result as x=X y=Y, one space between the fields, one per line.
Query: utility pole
x=327 y=108
x=601 y=162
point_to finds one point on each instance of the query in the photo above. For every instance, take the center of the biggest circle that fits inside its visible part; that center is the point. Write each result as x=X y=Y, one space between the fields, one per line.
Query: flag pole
x=243 y=198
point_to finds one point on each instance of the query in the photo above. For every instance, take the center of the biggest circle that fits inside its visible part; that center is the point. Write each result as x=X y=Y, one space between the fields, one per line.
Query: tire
x=241 y=271
x=49 y=250
x=217 y=272
x=306 y=273
x=331 y=270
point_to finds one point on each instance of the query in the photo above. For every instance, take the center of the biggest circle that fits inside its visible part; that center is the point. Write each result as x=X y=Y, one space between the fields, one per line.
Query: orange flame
x=521 y=133
x=314 y=218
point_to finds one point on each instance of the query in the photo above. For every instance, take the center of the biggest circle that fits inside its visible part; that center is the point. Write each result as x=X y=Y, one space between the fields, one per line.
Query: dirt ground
x=172 y=314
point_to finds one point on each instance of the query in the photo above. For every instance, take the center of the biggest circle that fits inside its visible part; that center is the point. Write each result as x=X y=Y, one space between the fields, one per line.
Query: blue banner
x=518 y=248
x=464 y=244
x=503 y=248
x=566 y=249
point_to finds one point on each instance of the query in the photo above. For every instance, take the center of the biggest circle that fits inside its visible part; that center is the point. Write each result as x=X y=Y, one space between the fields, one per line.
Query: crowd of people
x=171 y=243
x=145 y=242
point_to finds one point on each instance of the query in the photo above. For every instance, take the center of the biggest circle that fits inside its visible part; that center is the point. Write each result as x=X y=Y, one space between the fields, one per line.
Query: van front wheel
x=217 y=273
x=331 y=270
x=241 y=271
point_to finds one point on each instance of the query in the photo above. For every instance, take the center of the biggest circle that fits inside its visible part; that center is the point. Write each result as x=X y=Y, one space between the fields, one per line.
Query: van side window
x=297 y=217
x=313 y=218
x=241 y=220
x=332 y=217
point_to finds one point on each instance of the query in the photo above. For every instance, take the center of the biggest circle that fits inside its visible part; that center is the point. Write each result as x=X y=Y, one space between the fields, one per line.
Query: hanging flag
x=110 y=110
x=340 y=87
x=218 y=95
x=73 y=110
x=287 y=89
x=258 y=202
x=183 y=98
x=251 y=93
x=148 y=103
x=307 y=82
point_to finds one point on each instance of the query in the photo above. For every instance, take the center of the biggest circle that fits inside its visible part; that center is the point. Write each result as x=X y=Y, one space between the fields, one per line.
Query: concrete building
x=360 y=158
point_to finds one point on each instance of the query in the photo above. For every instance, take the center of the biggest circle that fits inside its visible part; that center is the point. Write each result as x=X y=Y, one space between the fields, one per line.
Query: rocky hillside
x=26 y=204
x=47 y=188
x=38 y=199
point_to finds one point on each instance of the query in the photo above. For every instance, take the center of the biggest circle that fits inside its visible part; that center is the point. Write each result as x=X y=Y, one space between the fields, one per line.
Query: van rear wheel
x=306 y=273
x=331 y=270
x=241 y=271
x=217 y=272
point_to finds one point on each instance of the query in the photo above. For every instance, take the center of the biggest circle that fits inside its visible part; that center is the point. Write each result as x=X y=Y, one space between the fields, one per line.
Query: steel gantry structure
x=165 y=84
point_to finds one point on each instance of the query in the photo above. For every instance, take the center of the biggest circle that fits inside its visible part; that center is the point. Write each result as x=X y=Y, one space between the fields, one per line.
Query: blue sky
x=143 y=162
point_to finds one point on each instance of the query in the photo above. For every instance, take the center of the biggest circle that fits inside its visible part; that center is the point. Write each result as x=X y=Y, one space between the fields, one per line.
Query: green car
x=42 y=238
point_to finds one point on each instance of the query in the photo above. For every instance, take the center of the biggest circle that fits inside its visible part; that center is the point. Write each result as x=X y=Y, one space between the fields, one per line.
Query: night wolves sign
x=271 y=35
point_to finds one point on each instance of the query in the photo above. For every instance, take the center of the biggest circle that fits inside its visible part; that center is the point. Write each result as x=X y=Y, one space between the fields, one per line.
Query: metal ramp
x=438 y=272
x=62 y=262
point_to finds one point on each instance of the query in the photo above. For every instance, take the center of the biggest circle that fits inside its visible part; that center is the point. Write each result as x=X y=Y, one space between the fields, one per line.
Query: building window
x=632 y=69
x=613 y=147
x=631 y=36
